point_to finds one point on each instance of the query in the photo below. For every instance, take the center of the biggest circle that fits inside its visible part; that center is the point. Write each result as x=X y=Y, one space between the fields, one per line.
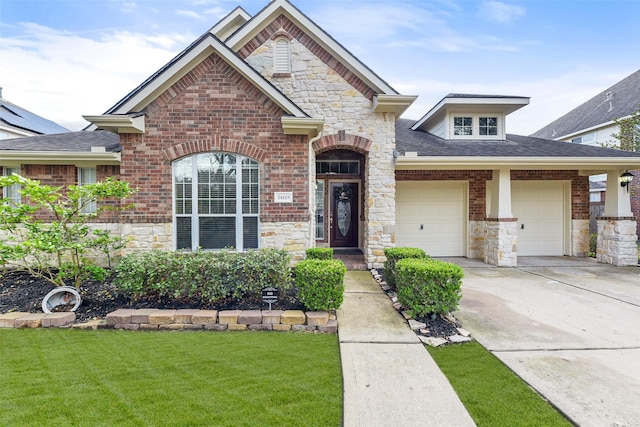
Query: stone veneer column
x=580 y=237
x=477 y=237
x=501 y=243
x=617 y=241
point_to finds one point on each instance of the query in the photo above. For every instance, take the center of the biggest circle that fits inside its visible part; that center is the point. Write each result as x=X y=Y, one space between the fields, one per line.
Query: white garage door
x=431 y=216
x=540 y=209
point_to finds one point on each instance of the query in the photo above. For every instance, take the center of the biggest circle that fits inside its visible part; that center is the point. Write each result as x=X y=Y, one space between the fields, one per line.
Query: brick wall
x=477 y=186
x=213 y=108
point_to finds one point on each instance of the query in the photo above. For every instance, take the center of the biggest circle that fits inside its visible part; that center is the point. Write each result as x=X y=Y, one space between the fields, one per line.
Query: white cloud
x=189 y=14
x=497 y=11
x=62 y=76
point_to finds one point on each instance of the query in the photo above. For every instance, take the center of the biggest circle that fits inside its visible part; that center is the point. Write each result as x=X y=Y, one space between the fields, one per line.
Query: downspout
x=312 y=189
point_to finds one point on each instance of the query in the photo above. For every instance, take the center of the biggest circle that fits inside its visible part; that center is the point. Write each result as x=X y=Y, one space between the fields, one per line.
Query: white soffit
x=230 y=23
x=278 y=7
x=591 y=164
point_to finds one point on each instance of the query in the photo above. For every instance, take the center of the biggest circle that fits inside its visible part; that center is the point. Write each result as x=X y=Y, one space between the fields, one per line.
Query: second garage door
x=540 y=209
x=432 y=216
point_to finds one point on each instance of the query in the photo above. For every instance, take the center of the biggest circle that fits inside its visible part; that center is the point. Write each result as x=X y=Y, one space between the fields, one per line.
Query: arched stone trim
x=214 y=143
x=341 y=141
x=282 y=33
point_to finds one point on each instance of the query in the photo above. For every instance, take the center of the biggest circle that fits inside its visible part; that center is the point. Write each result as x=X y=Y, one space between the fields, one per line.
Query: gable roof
x=283 y=7
x=618 y=101
x=417 y=148
x=15 y=116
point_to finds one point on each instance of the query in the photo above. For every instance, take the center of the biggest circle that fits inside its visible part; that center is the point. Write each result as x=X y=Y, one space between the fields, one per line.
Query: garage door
x=431 y=216
x=540 y=209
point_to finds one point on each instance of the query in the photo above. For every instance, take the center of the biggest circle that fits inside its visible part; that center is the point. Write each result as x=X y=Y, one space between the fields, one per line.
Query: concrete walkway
x=389 y=377
x=568 y=327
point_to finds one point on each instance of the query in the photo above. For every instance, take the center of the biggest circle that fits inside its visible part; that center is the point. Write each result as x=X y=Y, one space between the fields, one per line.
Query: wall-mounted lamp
x=625 y=179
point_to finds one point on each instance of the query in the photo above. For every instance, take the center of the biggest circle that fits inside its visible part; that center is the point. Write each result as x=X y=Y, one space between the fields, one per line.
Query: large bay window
x=216 y=202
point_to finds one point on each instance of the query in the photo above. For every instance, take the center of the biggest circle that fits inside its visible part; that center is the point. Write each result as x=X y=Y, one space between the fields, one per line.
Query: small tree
x=56 y=248
x=628 y=136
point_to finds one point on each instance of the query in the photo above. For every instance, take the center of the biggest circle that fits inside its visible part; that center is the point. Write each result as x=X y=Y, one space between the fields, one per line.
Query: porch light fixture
x=625 y=179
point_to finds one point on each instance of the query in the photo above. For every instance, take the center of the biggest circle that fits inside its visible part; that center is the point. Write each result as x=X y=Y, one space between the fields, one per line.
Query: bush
x=213 y=276
x=320 y=283
x=593 y=244
x=428 y=286
x=320 y=253
x=396 y=254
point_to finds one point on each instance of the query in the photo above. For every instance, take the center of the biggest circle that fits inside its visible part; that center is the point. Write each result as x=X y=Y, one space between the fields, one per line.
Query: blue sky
x=65 y=58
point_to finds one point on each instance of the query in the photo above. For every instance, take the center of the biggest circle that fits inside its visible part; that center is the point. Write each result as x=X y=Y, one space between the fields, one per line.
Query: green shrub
x=593 y=244
x=428 y=286
x=320 y=283
x=213 y=276
x=396 y=254
x=320 y=253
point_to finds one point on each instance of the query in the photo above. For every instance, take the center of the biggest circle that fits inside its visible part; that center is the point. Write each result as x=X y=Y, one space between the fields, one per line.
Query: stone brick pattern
x=326 y=89
x=501 y=243
x=617 y=242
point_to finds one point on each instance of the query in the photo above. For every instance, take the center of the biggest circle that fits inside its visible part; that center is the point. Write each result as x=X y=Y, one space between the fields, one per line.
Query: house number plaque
x=283 y=197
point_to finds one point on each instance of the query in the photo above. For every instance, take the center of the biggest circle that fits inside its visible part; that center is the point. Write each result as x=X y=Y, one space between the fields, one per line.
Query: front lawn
x=104 y=378
x=491 y=392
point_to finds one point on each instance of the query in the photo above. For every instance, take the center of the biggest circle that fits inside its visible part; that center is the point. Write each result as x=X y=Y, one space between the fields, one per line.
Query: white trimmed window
x=282 y=56
x=319 y=210
x=11 y=192
x=216 y=202
x=488 y=126
x=87 y=176
x=462 y=126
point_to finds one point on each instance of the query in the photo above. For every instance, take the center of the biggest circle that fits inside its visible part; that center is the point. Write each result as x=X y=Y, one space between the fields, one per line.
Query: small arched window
x=282 y=56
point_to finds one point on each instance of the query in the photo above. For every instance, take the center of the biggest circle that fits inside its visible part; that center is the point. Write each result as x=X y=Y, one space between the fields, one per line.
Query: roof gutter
x=96 y=157
x=409 y=161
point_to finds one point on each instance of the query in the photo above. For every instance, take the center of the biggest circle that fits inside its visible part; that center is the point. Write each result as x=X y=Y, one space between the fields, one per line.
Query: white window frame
x=475 y=125
x=194 y=213
x=281 y=56
x=12 y=192
x=320 y=216
x=88 y=176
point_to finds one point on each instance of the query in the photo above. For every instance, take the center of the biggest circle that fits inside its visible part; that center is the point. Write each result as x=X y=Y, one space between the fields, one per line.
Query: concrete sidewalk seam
x=566 y=349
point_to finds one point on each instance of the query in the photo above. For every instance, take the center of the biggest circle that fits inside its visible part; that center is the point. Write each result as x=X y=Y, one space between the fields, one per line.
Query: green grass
x=60 y=377
x=491 y=392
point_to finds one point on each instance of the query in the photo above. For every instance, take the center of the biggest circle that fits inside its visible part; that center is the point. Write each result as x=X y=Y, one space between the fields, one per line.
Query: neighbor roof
x=618 y=101
x=18 y=117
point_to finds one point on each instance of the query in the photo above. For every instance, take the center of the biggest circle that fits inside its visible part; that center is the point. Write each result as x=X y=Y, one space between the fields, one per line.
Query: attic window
x=488 y=125
x=462 y=126
x=282 y=56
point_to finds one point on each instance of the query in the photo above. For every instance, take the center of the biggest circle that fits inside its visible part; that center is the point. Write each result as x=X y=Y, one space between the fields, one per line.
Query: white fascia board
x=489 y=104
x=277 y=7
x=230 y=23
x=542 y=163
x=587 y=130
x=192 y=58
x=118 y=123
x=302 y=126
x=61 y=157
x=397 y=104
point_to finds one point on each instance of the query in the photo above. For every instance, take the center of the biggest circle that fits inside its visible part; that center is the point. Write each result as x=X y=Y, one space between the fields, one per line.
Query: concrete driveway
x=569 y=327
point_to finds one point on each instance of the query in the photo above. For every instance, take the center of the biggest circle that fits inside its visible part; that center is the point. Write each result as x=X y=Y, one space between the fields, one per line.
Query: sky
x=62 y=59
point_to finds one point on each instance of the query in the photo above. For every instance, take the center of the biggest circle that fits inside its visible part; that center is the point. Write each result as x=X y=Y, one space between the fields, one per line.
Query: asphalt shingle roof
x=69 y=141
x=427 y=144
x=620 y=100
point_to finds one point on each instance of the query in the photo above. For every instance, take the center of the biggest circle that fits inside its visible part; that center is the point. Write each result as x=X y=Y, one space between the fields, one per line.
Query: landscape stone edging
x=184 y=319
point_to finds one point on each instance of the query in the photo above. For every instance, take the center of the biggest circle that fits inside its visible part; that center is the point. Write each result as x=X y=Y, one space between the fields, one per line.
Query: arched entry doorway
x=339 y=198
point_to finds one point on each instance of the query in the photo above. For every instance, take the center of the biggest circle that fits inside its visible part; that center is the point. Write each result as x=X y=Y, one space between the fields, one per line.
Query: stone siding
x=580 y=237
x=501 y=244
x=477 y=238
x=617 y=242
x=294 y=237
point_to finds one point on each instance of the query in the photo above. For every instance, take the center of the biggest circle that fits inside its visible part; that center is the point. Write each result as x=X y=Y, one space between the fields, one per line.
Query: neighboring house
x=16 y=122
x=593 y=123
x=266 y=132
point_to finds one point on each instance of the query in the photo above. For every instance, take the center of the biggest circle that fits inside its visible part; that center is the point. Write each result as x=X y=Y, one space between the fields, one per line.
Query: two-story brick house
x=266 y=132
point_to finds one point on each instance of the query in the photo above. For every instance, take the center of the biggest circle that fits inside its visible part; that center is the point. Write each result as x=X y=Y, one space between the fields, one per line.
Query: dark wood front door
x=344 y=215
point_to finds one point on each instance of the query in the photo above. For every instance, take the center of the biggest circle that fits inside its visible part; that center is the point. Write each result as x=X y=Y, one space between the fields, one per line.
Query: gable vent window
x=282 y=56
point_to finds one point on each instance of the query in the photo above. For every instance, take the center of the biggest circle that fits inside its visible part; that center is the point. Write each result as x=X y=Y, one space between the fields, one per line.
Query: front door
x=344 y=215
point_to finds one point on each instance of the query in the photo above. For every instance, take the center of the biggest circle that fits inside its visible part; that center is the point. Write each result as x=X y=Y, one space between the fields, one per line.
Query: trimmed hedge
x=428 y=286
x=396 y=254
x=213 y=276
x=320 y=253
x=320 y=283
